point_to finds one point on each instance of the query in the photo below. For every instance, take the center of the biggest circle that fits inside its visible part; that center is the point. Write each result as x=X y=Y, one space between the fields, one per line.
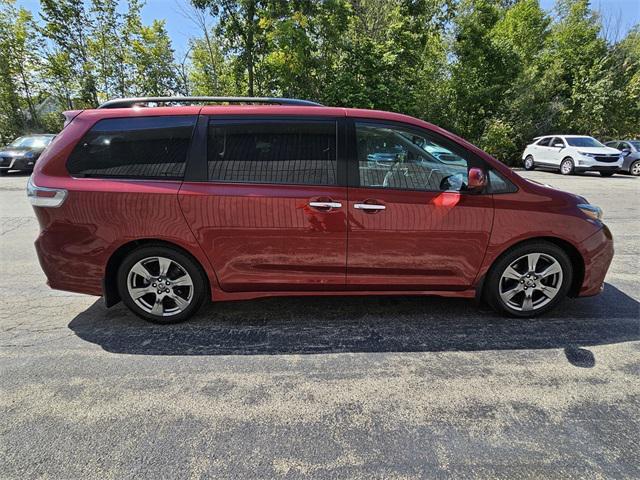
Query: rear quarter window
x=140 y=147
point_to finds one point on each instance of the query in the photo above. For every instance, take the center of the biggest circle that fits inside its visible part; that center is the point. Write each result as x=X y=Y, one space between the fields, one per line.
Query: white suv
x=572 y=153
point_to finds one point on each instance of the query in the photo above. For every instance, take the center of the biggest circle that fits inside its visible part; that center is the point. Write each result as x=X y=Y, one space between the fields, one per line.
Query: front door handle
x=369 y=206
x=325 y=204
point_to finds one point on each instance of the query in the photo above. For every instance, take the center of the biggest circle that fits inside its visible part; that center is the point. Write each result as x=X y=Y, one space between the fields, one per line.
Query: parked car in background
x=631 y=152
x=23 y=152
x=572 y=153
x=166 y=207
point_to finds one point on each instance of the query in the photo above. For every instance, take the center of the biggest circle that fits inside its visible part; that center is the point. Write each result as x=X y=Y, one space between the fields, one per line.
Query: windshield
x=583 y=142
x=34 y=142
x=636 y=145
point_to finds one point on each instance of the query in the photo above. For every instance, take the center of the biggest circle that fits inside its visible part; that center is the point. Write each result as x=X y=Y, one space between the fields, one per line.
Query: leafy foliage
x=497 y=72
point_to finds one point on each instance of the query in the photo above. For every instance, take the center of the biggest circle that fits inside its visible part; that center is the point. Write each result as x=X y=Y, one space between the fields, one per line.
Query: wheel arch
x=577 y=263
x=109 y=281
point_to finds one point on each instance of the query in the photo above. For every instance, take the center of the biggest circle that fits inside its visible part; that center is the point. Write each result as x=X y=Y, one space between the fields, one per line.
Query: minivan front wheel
x=529 y=279
x=161 y=284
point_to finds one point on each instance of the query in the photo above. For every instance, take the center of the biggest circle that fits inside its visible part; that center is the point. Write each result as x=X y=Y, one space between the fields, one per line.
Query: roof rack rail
x=132 y=102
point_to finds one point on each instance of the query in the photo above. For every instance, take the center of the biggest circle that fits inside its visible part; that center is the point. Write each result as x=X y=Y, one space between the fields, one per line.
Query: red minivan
x=165 y=202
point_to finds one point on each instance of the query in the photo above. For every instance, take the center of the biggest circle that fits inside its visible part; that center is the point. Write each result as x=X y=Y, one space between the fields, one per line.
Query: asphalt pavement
x=376 y=387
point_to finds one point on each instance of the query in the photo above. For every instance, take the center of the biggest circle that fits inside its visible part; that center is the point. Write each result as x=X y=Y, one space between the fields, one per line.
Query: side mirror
x=477 y=179
x=625 y=151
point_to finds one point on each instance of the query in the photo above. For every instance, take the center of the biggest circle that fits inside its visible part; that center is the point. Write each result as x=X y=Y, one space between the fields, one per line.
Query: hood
x=598 y=150
x=541 y=187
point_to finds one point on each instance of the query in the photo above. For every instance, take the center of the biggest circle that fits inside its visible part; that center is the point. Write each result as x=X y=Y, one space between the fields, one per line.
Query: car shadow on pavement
x=315 y=325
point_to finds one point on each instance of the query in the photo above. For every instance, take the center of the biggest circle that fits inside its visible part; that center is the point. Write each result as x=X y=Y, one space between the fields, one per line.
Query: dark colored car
x=631 y=152
x=166 y=207
x=22 y=153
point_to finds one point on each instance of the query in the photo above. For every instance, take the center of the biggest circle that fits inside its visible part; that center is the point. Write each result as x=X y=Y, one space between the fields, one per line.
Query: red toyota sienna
x=216 y=198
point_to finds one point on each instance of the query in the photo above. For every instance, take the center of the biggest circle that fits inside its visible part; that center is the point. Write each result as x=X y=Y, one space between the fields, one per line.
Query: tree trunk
x=251 y=24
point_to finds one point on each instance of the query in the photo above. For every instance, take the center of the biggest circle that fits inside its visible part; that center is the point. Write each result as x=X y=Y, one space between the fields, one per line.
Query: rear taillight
x=45 y=197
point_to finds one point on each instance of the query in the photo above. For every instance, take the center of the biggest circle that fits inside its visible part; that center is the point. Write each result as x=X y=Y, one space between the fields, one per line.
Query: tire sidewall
x=528 y=163
x=492 y=285
x=635 y=162
x=190 y=265
x=571 y=171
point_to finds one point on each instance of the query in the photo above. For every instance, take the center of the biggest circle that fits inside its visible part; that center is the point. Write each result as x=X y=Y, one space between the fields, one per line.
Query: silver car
x=631 y=152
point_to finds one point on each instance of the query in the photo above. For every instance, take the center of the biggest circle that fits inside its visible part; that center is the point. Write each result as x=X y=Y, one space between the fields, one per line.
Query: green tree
x=239 y=26
x=482 y=71
x=67 y=25
x=210 y=73
x=25 y=57
x=153 y=59
x=11 y=119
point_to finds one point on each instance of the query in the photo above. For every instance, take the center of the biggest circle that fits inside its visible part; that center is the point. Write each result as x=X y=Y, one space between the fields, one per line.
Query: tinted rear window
x=279 y=151
x=141 y=147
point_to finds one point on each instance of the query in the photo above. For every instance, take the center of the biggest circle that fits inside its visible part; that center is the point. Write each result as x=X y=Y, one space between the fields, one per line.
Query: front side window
x=557 y=142
x=139 y=147
x=544 y=142
x=583 y=142
x=280 y=151
x=392 y=157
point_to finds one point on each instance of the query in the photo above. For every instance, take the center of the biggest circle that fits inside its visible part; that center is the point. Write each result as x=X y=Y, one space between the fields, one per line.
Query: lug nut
x=154 y=285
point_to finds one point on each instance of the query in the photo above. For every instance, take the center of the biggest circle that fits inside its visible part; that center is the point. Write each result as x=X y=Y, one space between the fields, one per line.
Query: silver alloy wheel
x=528 y=163
x=160 y=286
x=530 y=282
x=566 y=167
x=635 y=168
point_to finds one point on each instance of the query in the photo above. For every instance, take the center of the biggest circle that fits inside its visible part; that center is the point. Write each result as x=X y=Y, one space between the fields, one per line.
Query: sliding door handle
x=369 y=206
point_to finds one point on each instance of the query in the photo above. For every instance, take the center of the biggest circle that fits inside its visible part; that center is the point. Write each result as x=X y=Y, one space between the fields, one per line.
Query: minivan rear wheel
x=161 y=284
x=529 y=280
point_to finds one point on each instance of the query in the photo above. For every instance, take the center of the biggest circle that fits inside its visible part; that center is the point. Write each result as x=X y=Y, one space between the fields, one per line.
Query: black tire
x=567 y=167
x=184 y=262
x=492 y=285
x=607 y=174
x=634 y=168
x=529 y=164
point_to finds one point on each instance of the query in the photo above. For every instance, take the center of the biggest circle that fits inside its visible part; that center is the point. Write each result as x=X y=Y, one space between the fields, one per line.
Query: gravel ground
x=320 y=387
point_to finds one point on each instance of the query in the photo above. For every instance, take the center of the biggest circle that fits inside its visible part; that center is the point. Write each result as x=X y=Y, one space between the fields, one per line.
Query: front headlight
x=591 y=211
x=586 y=154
